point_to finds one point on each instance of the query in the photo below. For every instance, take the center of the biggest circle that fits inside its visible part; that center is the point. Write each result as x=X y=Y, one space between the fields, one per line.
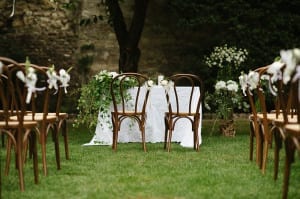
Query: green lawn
x=220 y=170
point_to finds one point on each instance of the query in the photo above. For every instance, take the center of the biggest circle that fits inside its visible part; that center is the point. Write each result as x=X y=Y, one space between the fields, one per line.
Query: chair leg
x=8 y=155
x=196 y=135
x=56 y=145
x=115 y=137
x=251 y=142
x=278 y=146
x=166 y=133
x=169 y=139
x=265 y=156
x=65 y=135
x=197 y=141
x=33 y=149
x=259 y=146
x=143 y=139
x=43 y=146
x=289 y=159
x=20 y=160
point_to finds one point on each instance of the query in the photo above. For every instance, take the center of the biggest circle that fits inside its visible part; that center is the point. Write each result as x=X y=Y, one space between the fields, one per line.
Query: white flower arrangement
x=149 y=84
x=223 y=56
x=249 y=81
x=287 y=68
x=226 y=98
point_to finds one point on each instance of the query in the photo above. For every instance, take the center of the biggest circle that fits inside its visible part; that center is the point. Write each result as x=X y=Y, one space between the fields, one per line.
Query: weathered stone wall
x=39 y=30
x=51 y=35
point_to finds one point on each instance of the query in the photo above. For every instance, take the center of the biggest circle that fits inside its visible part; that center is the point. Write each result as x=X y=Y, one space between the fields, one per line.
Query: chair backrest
x=260 y=93
x=195 y=94
x=13 y=93
x=39 y=99
x=289 y=98
x=125 y=99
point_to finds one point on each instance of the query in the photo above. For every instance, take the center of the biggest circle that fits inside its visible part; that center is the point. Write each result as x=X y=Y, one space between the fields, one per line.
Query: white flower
x=232 y=86
x=30 y=80
x=64 y=78
x=287 y=56
x=113 y=74
x=275 y=70
x=52 y=78
x=223 y=56
x=150 y=83
x=252 y=79
x=220 y=85
x=296 y=78
x=164 y=82
x=243 y=79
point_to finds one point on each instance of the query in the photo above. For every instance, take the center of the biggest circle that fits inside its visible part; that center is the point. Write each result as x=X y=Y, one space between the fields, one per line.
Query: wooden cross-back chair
x=255 y=128
x=39 y=107
x=290 y=130
x=263 y=121
x=177 y=110
x=19 y=131
x=135 y=108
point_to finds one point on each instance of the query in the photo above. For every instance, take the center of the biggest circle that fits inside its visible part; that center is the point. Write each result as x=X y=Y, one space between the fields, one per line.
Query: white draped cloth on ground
x=155 y=127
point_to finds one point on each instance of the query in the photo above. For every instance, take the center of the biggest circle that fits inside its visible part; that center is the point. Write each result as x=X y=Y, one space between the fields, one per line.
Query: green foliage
x=95 y=98
x=261 y=27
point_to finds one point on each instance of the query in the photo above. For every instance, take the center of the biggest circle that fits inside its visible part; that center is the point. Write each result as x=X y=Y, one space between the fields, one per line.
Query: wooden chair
x=13 y=94
x=177 y=111
x=266 y=127
x=54 y=109
x=39 y=108
x=134 y=108
x=255 y=126
x=291 y=131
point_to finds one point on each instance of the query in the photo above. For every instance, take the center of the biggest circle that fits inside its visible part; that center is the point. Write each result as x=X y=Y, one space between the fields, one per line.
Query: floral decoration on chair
x=30 y=80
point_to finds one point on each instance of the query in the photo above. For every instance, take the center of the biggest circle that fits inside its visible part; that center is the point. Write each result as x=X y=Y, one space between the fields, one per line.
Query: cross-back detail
x=122 y=102
x=178 y=110
x=192 y=81
x=129 y=105
x=19 y=131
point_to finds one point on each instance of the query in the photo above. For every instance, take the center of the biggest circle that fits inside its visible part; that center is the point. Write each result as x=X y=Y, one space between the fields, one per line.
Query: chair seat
x=16 y=123
x=293 y=129
x=128 y=113
x=37 y=117
x=181 y=114
x=60 y=115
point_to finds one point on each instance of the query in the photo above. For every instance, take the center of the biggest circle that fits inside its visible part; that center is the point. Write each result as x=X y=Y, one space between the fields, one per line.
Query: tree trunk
x=128 y=40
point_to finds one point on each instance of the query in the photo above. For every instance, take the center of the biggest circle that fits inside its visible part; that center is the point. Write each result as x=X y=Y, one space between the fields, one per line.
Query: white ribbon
x=30 y=81
x=52 y=79
x=296 y=78
x=64 y=78
x=149 y=84
x=243 y=82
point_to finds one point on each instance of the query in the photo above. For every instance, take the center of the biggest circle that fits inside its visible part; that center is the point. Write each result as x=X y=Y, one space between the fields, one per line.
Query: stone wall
x=51 y=35
x=39 y=30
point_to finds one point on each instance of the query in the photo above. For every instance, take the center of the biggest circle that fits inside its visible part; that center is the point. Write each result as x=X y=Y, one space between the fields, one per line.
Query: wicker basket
x=227 y=128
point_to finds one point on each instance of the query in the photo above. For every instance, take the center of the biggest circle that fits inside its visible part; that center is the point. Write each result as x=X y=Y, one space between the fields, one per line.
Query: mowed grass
x=221 y=169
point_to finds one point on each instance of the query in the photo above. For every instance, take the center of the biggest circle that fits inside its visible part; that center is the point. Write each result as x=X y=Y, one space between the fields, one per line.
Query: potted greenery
x=226 y=96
